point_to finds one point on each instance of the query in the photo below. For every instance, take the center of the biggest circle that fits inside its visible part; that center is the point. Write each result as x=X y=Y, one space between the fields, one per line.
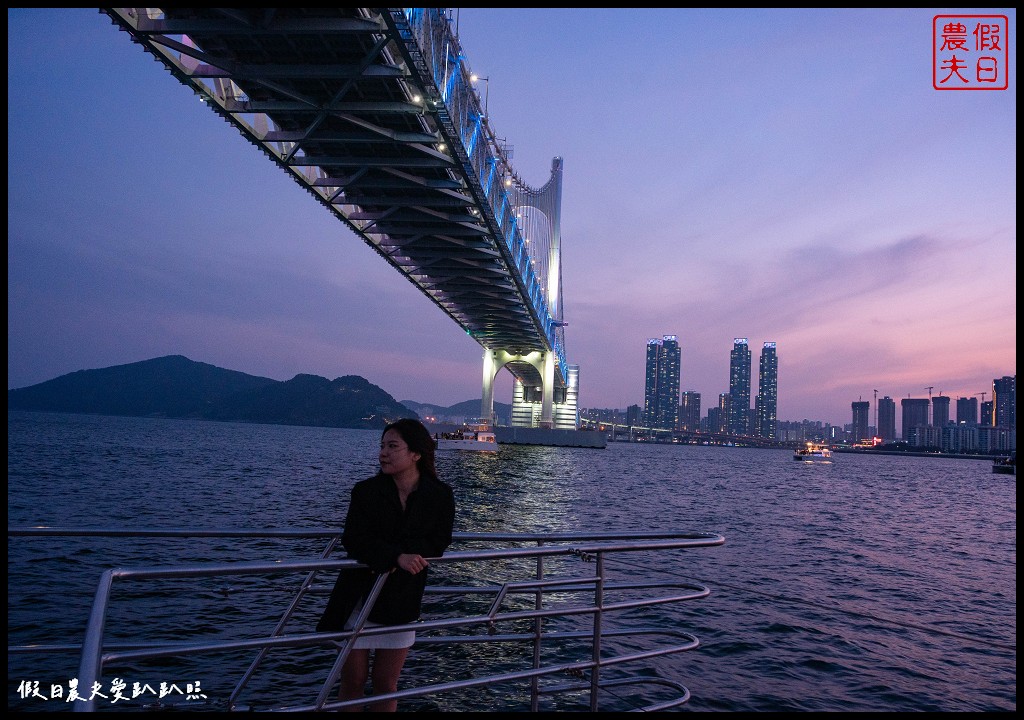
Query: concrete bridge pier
x=547 y=418
x=556 y=410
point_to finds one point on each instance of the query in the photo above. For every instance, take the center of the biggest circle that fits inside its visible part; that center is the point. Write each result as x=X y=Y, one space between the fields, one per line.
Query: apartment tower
x=739 y=387
x=886 y=409
x=1004 y=402
x=915 y=415
x=861 y=413
x=940 y=411
x=967 y=411
x=689 y=411
x=661 y=388
x=767 y=401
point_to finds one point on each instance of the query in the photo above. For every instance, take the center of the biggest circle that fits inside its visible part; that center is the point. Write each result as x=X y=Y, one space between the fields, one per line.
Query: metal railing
x=554 y=594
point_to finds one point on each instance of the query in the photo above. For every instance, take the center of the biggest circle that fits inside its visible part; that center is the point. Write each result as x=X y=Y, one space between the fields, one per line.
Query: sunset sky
x=780 y=175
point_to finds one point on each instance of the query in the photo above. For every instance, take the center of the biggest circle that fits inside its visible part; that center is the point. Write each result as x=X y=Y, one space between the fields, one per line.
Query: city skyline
x=926 y=423
x=829 y=200
x=668 y=407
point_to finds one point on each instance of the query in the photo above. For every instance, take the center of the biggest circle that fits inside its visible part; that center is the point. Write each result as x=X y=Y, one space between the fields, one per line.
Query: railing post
x=595 y=674
x=262 y=653
x=538 y=629
x=346 y=649
x=91 y=666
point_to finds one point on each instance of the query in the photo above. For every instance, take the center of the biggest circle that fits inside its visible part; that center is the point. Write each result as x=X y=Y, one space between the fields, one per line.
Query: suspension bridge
x=374 y=111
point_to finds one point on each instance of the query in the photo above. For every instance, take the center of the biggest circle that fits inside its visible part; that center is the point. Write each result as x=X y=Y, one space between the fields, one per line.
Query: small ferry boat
x=813 y=452
x=1005 y=465
x=470 y=437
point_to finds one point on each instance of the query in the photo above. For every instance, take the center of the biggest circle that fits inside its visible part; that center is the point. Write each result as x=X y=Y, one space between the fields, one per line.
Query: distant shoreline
x=913 y=453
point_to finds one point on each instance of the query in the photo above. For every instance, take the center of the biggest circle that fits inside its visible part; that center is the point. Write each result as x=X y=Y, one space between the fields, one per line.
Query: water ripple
x=869 y=584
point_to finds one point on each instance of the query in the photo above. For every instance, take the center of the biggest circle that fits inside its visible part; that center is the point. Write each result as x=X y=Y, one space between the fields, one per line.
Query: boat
x=1005 y=465
x=471 y=437
x=813 y=452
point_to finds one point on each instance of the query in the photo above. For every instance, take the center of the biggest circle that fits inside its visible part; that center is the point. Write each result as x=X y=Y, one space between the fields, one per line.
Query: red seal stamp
x=970 y=52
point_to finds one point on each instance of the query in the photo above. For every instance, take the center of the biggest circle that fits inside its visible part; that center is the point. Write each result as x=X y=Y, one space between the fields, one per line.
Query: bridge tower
x=551 y=404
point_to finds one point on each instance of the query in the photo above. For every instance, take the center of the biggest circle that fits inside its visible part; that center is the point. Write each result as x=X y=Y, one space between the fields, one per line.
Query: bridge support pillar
x=487 y=401
x=547 y=414
x=534 y=406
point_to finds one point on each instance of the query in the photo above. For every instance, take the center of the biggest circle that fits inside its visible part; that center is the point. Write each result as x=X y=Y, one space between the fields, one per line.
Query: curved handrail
x=589 y=548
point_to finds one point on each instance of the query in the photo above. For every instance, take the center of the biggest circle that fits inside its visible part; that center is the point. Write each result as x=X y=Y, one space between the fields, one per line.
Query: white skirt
x=387 y=641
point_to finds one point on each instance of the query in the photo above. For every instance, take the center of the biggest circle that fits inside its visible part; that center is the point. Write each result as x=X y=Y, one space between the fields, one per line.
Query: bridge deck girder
x=328 y=94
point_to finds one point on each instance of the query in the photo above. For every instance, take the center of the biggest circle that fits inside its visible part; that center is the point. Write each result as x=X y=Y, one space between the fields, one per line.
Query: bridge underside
x=328 y=96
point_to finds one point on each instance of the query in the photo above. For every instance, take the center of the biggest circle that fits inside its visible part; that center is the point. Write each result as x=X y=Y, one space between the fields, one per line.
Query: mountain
x=348 y=402
x=175 y=386
x=458 y=413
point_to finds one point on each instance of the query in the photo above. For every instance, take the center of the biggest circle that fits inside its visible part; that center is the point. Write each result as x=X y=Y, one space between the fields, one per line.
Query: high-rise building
x=987 y=416
x=967 y=411
x=940 y=411
x=739 y=387
x=661 y=390
x=886 y=410
x=633 y=415
x=915 y=415
x=1004 y=402
x=689 y=411
x=724 y=413
x=767 y=403
x=861 y=412
x=714 y=420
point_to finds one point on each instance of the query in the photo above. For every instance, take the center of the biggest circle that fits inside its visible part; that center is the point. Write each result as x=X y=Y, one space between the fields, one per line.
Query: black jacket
x=376 y=533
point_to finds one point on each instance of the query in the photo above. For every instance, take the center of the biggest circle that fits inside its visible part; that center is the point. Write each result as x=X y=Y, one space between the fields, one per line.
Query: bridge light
x=487 y=93
x=416 y=99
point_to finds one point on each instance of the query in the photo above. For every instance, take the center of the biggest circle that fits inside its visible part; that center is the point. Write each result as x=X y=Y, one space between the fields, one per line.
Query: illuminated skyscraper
x=739 y=387
x=661 y=391
x=987 y=413
x=689 y=411
x=724 y=412
x=1004 y=402
x=767 y=402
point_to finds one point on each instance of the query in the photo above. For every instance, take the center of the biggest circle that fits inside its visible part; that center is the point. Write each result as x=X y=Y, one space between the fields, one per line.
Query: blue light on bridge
x=476 y=135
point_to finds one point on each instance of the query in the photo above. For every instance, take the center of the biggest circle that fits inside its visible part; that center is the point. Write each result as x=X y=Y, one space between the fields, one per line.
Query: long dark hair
x=419 y=440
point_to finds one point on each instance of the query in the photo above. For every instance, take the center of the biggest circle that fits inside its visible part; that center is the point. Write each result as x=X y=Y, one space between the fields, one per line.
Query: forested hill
x=176 y=387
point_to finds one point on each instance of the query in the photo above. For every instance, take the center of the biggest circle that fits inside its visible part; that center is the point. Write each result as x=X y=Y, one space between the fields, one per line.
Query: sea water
x=867 y=584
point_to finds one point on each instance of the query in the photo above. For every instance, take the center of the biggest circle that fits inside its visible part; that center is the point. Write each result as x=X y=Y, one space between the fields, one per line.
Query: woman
x=395 y=520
